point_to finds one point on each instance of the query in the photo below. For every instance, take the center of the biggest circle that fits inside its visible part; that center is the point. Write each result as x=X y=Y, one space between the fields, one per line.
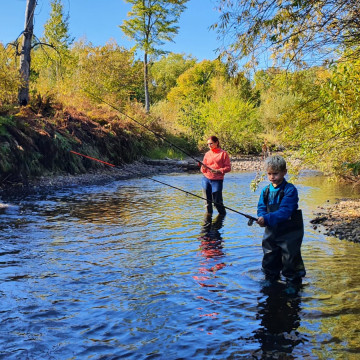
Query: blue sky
x=97 y=21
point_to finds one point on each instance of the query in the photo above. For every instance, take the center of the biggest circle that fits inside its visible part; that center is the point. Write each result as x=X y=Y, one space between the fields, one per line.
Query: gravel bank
x=341 y=220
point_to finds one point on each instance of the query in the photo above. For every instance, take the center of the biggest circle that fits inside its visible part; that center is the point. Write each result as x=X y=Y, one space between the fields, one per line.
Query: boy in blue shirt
x=284 y=228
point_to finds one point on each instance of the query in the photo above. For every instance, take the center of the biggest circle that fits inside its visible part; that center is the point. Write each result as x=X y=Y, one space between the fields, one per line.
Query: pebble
x=341 y=219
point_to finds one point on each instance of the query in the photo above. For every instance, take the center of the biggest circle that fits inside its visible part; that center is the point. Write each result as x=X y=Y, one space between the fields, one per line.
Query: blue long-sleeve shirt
x=288 y=204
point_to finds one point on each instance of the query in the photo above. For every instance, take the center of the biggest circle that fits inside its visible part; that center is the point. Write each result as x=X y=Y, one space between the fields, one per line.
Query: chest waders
x=281 y=244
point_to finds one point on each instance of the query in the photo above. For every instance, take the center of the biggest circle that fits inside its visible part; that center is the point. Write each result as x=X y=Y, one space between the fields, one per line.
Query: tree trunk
x=146 y=83
x=25 y=58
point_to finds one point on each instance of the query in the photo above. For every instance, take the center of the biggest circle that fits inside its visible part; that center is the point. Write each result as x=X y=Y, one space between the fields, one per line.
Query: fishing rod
x=147 y=128
x=251 y=218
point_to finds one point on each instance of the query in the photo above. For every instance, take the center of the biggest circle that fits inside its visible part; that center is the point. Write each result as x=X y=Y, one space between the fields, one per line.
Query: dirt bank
x=341 y=220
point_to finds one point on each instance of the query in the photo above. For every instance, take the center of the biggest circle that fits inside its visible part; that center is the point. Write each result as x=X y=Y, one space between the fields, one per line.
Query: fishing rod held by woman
x=217 y=164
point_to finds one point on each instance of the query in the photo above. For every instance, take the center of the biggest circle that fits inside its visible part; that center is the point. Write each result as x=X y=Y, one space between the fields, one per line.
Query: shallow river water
x=130 y=270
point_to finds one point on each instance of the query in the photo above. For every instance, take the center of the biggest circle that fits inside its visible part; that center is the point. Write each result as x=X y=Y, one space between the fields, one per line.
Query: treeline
x=312 y=113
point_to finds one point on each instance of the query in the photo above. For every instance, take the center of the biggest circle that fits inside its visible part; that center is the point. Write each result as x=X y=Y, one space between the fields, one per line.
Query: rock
x=318 y=220
x=341 y=219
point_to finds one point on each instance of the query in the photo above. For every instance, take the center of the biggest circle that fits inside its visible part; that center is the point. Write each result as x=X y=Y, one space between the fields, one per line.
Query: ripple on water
x=133 y=270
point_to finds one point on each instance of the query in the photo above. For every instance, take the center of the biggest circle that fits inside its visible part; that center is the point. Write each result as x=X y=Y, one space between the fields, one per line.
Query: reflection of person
x=217 y=163
x=284 y=228
x=210 y=229
x=211 y=241
x=279 y=316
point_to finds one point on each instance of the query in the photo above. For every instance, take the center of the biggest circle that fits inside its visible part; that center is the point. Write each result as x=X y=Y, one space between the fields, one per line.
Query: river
x=132 y=270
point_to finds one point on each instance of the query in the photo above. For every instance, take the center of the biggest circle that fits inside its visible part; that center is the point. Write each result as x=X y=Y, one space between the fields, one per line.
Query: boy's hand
x=261 y=221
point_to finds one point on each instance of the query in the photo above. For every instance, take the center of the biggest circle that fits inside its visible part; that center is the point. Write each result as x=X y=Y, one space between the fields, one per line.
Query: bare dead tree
x=25 y=55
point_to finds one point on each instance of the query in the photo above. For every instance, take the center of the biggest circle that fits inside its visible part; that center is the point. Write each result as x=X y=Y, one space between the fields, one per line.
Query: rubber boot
x=218 y=200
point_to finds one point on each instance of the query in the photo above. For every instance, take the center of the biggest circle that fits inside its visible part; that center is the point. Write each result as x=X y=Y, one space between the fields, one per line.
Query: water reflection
x=212 y=260
x=279 y=317
x=132 y=270
x=212 y=243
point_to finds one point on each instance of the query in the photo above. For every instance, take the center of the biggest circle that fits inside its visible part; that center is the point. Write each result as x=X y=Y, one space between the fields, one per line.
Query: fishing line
x=251 y=218
x=146 y=127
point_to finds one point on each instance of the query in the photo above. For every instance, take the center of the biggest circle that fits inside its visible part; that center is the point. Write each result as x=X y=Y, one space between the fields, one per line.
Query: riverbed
x=131 y=269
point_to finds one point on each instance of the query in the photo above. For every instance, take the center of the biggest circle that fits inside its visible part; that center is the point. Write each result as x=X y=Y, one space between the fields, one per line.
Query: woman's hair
x=214 y=139
x=275 y=162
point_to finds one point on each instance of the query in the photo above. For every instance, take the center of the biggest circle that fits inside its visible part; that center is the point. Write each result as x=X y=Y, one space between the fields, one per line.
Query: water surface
x=133 y=270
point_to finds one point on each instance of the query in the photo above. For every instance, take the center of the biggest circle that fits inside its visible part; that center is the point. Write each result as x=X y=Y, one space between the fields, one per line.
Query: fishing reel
x=250 y=222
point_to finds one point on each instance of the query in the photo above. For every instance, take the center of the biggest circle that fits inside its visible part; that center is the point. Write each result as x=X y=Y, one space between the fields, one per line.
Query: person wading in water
x=284 y=228
x=218 y=161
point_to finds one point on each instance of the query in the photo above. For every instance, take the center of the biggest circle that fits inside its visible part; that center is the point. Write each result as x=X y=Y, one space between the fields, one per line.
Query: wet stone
x=341 y=219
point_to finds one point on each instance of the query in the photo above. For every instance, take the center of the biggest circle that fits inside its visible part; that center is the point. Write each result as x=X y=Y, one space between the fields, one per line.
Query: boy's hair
x=275 y=162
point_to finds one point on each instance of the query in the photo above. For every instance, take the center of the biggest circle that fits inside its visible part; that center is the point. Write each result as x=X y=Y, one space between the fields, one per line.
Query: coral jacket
x=216 y=159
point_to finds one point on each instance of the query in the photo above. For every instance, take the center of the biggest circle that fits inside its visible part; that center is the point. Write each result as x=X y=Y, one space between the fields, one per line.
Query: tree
x=25 y=56
x=165 y=72
x=51 y=58
x=234 y=117
x=333 y=134
x=151 y=22
x=296 y=31
x=9 y=77
x=108 y=72
x=56 y=34
x=56 y=28
x=194 y=88
x=195 y=84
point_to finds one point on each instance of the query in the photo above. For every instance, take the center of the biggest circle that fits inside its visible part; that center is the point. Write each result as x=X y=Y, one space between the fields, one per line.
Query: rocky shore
x=341 y=220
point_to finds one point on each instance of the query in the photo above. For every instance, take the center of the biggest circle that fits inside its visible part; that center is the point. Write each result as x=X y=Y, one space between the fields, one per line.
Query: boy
x=284 y=228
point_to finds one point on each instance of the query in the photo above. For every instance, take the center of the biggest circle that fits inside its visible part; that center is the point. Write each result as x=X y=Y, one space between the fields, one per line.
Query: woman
x=217 y=163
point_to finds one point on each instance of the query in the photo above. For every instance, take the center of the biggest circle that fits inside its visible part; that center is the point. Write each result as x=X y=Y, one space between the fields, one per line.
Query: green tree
x=10 y=80
x=330 y=140
x=230 y=115
x=296 y=30
x=56 y=29
x=53 y=55
x=150 y=23
x=194 y=88
x=195 y=84
x=165 y=72
x=109 y=72
x=288 y=102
